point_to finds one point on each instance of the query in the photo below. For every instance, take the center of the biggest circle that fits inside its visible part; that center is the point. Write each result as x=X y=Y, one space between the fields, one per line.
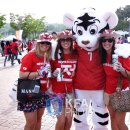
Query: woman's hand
x=45 y=70
x=55 y=73
x=118 y=67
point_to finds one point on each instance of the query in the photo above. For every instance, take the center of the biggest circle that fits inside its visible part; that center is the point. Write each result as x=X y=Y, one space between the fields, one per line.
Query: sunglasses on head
x=47 y=43
x=66 y=39
x=110 y=40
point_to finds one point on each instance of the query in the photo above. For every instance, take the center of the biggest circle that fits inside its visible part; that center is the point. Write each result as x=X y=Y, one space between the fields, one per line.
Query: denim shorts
x=32 y=106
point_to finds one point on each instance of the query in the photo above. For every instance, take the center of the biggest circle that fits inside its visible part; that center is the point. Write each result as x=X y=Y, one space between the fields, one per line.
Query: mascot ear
x=68 y=20
x=111 y=19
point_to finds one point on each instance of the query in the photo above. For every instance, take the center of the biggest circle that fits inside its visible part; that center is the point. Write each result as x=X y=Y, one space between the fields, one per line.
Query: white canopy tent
x=122 y=32
x=9 y=38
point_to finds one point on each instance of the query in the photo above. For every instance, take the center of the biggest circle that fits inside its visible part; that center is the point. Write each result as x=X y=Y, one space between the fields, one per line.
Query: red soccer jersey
x=14 y=47
x=67 y=67
x=112 y=75
x=6 y=47
x=31 y=63
x=90 y=74
x=29 y=45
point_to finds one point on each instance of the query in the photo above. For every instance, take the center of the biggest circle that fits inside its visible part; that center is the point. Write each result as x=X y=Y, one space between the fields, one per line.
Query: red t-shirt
x=31 y=63
x=90 y=74
x=29 y=45
x=6 y=47
x=67 y=67
x=112 y=75
x=14 y=47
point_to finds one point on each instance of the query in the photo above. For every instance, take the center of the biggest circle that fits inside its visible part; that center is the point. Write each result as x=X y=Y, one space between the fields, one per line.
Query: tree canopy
x=2 y=20
x=30 y=26
x=124 y=18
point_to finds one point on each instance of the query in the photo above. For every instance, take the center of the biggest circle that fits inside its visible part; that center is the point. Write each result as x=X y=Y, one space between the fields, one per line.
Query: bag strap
x=28 y=75
x=128 y=77
x=119 y=83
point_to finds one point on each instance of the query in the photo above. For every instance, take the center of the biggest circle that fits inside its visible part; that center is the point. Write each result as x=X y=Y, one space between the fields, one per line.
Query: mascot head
x=88 y=26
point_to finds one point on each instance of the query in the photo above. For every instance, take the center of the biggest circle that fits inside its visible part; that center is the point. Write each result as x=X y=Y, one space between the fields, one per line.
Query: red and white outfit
x=112 y=75
x=68 y=67
x=89 y=86
x=31 y=63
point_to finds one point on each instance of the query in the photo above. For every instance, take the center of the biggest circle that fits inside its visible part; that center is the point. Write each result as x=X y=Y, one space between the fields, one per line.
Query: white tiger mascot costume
x=90 y=77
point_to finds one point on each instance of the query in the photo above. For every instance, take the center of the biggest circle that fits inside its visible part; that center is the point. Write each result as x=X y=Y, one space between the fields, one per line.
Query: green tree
x=30 y=26
x=16 y=21
x=124 y=16
x=2 y=20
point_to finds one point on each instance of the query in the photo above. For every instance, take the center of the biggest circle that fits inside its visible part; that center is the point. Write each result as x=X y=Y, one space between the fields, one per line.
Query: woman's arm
x=128 y=74
x=32 y=75
x=119 y=68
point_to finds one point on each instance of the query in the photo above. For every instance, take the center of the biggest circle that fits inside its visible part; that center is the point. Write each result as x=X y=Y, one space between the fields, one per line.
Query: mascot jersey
x=89 y=74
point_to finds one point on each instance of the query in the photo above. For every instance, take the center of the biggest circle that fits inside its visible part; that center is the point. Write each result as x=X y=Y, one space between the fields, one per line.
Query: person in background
x=7 y=52
x=119 y=41
x=14 y=50
x=124 y=39
x=34 y=63
x=2 y=47
x=113 y=71
x=65 y=60
x=29 y=45
x=54 y=43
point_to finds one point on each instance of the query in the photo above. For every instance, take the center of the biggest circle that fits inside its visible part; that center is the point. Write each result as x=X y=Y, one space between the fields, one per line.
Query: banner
x=18 y=34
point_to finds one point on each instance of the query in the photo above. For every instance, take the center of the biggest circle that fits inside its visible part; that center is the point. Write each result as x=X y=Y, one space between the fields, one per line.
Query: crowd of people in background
x=12 y=50
x=62 y=48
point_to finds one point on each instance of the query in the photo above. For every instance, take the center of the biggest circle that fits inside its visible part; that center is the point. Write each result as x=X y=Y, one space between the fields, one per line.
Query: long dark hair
x=59 y=50
x=102 y=51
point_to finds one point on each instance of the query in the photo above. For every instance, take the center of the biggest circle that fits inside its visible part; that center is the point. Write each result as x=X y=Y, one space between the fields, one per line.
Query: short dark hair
x=53 y=33
x=15 y=40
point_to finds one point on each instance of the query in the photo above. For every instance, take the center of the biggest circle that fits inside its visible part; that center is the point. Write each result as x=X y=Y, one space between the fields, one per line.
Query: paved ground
x=10 y=118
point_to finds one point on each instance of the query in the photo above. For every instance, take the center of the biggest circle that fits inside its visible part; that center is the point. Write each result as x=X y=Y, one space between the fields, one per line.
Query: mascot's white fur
x=90 y=77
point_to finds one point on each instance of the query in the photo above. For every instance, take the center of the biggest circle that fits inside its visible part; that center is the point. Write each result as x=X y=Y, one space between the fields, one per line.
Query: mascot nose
x=85 y=42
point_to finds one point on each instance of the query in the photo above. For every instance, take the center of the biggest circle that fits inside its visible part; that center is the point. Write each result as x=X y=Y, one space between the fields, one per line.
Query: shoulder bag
x=28 y=89
x=120 y=100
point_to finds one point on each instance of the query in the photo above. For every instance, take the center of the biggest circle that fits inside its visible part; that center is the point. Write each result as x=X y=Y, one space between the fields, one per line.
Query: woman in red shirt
x=113 y=70
x=7 y=52
x=63 y=68
x=35 y=62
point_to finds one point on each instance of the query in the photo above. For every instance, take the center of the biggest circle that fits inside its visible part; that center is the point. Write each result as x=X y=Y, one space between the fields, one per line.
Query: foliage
x=16 y=21
x=123 y=25
x=2 y=20
x=7 y=30
x=124 y=18
x=30 y=26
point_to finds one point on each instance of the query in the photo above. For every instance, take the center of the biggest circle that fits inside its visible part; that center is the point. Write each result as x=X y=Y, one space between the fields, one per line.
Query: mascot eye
x=93 y=29
x=79 y=30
